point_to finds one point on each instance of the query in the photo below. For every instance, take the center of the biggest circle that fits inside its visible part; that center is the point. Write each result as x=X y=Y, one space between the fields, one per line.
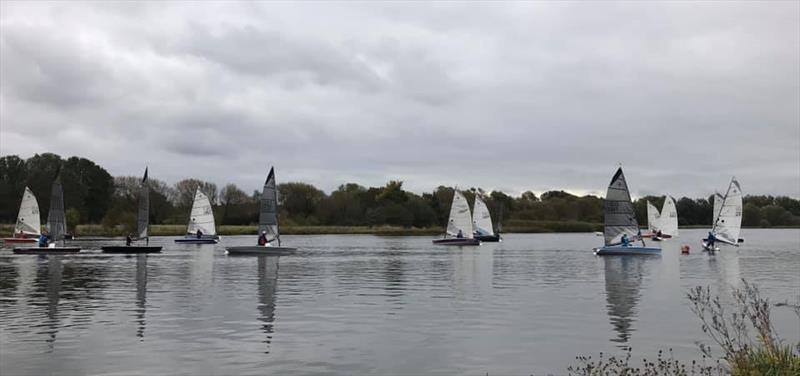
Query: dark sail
x=620 y=217
x=144 y=207
x=56 y=218
x=268 y=213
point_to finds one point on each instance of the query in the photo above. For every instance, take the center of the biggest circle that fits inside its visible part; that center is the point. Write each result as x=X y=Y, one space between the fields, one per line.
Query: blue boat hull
x=618 y=250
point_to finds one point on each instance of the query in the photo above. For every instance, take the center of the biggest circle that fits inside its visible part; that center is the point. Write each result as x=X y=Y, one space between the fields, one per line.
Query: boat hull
x=489 y=238
x=20 y=240
x=45 y=251
x=663 y=236
x=457 y=242
x=260 y=250
x=623 y=251
x=131 y=249
x=197 y=241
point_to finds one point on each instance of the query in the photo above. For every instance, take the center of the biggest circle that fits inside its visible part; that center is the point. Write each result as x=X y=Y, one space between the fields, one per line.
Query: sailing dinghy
x=28 y=227
x=56 y=225
x=201 y=219
x=143 y=223
x=267 y=224
x=620 y=222
x=664 y=222
x=728 y=222
x=459 y=225
x=482 y=222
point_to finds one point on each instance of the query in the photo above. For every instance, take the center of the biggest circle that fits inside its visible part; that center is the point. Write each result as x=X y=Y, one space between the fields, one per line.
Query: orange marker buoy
x=684 y=249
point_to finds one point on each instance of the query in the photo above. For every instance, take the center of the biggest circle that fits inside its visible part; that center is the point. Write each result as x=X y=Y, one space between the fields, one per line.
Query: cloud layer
x=509 y=96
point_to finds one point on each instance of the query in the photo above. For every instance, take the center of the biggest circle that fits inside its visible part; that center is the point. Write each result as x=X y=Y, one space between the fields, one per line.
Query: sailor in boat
x=658 y=234
x=460 y=234
x=43 y=240
x=710 y=240
x=262 y=240
x=128 y=240
x=199 y=234
x=625 y=241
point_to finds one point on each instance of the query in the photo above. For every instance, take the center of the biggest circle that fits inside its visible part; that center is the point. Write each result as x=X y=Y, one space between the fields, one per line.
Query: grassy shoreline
x=90 y=230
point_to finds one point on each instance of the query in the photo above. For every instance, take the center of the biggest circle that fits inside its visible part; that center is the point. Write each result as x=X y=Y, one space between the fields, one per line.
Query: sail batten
x=202 y=215
x=28 y=220
x=460 y=218
x=482 y=220
x=620 y=217
x=56 y=218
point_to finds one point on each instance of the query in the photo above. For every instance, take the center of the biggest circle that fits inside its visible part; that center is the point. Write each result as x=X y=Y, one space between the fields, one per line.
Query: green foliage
x=99 y=198
x=73 y=219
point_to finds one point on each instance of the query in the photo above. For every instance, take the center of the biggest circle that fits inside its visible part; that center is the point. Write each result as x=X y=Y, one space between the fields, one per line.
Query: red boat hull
x=19 y=240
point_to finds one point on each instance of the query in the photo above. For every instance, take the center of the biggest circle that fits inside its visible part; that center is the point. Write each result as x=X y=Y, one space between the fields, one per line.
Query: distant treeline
x=92 y=195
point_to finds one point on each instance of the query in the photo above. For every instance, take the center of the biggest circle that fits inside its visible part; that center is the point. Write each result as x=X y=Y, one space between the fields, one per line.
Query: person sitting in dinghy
x=625 y=241
x=43 y=240
x=460 y=234
x=710 y=240
x=128 y=240
x=262 y=240
x=199 y=234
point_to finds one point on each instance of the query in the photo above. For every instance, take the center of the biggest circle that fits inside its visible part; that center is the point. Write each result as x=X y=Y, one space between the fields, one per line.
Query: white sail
x=202 y=215
x=28 y=220
x=653 y=224
x=729 y=223
x=481 y=219
x=717 y=206
x=668 y=220
x=620 y=218
x=460 y=218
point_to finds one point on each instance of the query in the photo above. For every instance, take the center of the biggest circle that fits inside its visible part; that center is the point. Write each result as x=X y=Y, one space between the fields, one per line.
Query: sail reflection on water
x=267 y=286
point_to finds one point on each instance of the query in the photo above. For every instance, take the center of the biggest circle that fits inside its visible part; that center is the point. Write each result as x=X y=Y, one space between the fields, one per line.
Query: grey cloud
x=514 y=96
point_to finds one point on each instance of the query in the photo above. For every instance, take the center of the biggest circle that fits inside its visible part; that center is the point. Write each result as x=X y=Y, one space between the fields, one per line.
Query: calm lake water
x=371 y=305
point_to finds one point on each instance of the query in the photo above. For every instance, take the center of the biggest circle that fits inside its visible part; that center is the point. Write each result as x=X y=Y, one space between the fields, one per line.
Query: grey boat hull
x=260 y=250
x=618 y=250
x=459 y=242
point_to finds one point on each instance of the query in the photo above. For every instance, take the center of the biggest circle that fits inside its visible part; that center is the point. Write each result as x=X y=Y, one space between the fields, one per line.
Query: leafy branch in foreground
x=766 y=355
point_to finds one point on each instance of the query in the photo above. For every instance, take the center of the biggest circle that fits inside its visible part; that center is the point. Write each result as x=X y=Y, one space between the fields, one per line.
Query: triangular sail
x=268 y=214
x=717 y=206
x=460 y=218
x=56 y=218
x=668 y=220
x=481 y=218
x=202 y=215
x=729 y=222
x=620 y=218
x=28 y=220
x=653 y=224
x=144 y=208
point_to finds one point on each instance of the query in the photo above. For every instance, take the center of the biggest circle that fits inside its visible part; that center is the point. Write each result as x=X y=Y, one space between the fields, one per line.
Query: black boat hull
x=196 y=241
x=131 y=249
x=457 y=242
x=488 y=238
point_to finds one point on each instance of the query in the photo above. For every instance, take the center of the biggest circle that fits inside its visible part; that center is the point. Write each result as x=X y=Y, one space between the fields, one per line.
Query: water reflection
x=623 y=277
x=267 y=286
x=141 y=295
x=48 y=283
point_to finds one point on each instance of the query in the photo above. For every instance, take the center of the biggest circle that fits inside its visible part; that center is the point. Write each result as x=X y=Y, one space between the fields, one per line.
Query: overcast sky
x=505 y=96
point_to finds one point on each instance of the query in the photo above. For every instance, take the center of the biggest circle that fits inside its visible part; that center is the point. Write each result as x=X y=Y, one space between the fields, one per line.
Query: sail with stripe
x=56 y=217
x=481 y=219
x=143 y=220
x=202 y=215
x=268 y=212
x=28 y=220
x=460 y=219
x=620 y=217
x=729 y=222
